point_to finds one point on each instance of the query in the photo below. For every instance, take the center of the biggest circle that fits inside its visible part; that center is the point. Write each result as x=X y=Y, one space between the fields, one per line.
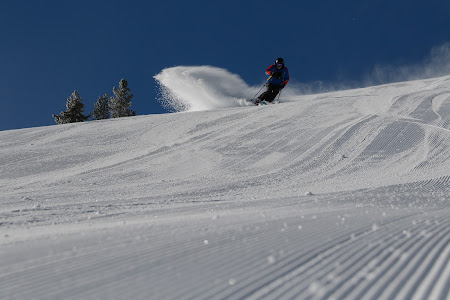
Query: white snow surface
x=343 y=195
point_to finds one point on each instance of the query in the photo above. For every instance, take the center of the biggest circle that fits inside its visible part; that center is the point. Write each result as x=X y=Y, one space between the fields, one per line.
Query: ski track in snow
x=343 y=195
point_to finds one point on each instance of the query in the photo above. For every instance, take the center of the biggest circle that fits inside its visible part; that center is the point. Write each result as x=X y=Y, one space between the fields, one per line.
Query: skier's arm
x=270 y=70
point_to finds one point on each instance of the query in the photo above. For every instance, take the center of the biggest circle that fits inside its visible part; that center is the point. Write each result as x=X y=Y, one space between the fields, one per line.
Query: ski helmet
x=279 y=61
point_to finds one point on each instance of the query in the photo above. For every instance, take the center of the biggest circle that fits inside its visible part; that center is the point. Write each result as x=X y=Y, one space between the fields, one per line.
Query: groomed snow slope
x=342 y=195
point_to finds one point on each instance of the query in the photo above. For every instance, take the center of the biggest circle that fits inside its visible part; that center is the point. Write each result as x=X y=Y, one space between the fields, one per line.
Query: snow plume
x=436 y=64
x=195 y=88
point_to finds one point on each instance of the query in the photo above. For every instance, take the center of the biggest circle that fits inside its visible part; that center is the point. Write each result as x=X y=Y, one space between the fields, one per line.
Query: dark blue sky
x=51 y=48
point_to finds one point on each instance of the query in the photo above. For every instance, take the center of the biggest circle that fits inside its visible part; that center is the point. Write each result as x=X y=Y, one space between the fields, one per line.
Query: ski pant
x=270 y=93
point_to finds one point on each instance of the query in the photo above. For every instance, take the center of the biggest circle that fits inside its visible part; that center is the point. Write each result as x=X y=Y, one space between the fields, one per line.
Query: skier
x=279 y=77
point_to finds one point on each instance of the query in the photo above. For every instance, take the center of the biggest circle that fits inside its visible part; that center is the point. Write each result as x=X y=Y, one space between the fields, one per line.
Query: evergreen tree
x=101 y=110
x=74 y=112
x=119 y=105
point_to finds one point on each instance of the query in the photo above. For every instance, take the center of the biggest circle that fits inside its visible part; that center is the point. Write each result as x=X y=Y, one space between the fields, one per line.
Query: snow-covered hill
x=342 y=195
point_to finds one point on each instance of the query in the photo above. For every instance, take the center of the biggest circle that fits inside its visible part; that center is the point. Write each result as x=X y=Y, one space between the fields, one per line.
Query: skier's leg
x=273 y=93
x=265 y=95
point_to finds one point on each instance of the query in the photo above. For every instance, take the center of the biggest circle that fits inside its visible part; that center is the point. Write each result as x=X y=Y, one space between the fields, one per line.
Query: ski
x=263 y=103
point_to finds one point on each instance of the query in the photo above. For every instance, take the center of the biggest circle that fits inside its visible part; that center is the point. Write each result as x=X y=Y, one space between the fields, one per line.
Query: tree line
x=106 y=107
